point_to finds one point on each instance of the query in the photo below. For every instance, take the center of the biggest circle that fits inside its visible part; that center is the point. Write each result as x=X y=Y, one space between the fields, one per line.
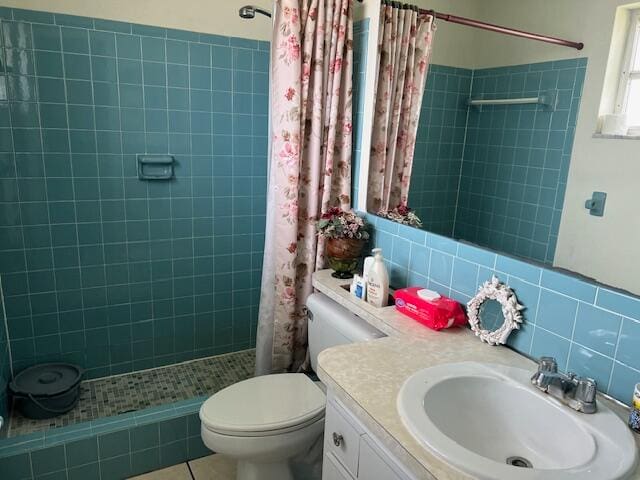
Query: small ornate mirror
x=494 y=312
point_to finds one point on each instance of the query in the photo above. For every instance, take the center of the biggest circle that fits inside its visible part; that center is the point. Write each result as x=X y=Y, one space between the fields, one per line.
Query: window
x=628 y=100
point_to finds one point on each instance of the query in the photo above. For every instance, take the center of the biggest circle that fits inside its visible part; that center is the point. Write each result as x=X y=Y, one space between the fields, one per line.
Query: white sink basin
x=477 y=416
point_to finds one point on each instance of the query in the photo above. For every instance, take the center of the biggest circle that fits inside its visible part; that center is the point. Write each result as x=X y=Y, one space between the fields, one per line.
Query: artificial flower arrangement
x=402 y=214
x=346 y=235
x=337 y=223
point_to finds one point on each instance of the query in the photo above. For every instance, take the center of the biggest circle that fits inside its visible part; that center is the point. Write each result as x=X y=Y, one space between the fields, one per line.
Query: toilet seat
x=264 y=406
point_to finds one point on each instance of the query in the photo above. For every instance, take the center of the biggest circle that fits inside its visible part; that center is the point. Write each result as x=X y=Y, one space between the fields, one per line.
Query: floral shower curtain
x=310 y=165
x=404 y=51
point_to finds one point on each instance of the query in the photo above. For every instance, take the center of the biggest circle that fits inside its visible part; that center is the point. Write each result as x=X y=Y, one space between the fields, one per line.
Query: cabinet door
x=372 y=464
x=341 y=439
x=333 y=470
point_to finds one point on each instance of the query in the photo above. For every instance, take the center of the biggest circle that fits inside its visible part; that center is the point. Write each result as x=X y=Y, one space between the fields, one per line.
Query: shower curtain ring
x=432 y=12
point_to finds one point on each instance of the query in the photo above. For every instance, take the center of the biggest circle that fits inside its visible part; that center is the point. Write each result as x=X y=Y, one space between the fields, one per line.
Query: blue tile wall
x=112 y=448
x=5 y=366
x=516 y=159
x=433 y=192
x=589 y=328
x=360 y=42
x=98 y=267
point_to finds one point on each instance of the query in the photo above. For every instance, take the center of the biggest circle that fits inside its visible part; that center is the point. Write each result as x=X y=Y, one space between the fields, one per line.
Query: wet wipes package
x=429 y=308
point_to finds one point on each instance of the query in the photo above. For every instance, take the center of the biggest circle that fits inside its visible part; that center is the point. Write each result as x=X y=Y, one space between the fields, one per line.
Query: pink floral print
x=404 y=51
x=311 y=124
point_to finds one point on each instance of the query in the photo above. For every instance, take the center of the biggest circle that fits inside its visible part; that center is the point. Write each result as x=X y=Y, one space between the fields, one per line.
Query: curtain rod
x=469 y=22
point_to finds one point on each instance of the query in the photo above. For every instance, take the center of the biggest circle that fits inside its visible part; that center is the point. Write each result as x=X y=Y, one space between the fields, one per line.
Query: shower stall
x=133 y=179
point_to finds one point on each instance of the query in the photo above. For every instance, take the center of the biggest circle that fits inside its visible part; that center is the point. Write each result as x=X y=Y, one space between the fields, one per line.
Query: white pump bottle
x=378 y=281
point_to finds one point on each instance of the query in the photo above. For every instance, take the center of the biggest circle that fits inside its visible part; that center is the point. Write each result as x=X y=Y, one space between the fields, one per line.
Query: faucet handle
x=586 y=390
x=548 y=364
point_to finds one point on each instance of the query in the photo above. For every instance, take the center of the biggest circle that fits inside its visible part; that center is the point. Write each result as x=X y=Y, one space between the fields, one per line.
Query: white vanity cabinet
x=352 y=452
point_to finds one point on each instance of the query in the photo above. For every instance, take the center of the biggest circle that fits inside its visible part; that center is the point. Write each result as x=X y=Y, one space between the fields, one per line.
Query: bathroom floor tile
x=213 y=467
x=115 y=395
x=177 y=472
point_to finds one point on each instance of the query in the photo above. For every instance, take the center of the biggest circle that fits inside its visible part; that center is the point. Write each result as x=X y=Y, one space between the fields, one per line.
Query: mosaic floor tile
x=109 y=396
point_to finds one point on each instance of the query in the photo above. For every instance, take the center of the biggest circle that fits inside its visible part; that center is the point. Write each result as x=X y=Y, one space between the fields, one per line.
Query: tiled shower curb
x=108 y=448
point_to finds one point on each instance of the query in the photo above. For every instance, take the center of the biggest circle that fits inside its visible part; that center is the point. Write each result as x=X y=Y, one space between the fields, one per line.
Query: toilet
x=266 y=421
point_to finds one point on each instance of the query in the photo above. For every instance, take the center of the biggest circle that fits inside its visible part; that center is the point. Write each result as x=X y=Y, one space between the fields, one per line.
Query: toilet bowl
x=265 y=422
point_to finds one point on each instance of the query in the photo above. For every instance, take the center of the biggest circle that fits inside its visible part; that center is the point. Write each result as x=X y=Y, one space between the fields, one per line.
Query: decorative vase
x=343 y=255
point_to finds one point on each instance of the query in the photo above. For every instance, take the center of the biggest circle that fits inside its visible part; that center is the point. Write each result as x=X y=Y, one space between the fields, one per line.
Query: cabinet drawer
x=333 y=470
x=375 y=464
x=341 y=439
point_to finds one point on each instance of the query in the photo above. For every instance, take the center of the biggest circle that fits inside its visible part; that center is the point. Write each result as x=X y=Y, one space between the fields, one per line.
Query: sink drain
x=519 y=462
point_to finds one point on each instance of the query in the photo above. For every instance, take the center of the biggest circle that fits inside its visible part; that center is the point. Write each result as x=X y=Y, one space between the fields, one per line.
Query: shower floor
x=109 y=396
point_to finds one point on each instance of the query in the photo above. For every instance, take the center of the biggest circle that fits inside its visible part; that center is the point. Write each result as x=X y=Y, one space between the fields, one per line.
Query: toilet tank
x=330 y=324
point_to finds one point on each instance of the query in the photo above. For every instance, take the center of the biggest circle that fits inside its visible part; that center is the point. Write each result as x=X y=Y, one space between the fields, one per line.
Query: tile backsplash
x=5 y=364
x=590 y=329
x=98 y=267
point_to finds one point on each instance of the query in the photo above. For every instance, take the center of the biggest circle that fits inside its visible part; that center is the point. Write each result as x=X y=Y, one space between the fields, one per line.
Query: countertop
x=367 y=376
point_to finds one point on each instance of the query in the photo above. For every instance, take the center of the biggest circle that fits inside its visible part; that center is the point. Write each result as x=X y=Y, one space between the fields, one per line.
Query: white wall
x=205 y=16
x=453 y=44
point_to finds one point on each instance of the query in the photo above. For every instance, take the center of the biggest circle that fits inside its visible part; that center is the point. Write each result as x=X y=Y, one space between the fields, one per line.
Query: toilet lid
x=262 y=404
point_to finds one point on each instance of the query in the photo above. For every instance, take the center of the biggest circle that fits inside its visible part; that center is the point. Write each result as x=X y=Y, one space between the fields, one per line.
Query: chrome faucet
x=576 y=392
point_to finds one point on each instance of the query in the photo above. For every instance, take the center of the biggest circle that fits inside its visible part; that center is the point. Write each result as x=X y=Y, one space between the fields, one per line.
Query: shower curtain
x=310 y=165
x=404 y=51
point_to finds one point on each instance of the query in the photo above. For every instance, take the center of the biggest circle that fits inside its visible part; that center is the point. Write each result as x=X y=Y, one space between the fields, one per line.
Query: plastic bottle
x=368 y=262
x=634 y=415
x=378 y=281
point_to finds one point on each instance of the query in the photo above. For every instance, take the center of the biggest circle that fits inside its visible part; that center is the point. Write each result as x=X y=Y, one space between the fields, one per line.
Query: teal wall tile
x=619 y=303
x=73 y=21
x=591 y=364
x=104 y=69
x=16 y=467
x=569 y=286
x=623 y=381
x=48 y=460
x=117 y=467
x=16 y=35
x=557 y=313
x=112 y=26
x=102 y=43
x=145 y=460
x=91 y=470
x=49 y=64
x=45 y=37
x=438 y=157
x=465 y=277
x=113 y=444
x=75 y=40
x=78 y=228
x=32 y=16
x=546 y=343
x=597 y=329
x=145 y=30
x=628 y=344
x=81 y=452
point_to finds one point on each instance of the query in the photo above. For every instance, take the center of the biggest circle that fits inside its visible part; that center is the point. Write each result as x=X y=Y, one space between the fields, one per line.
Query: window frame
x=632 y=45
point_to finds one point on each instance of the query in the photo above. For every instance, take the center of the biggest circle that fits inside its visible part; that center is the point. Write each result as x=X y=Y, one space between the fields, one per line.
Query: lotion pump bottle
x=378 y=281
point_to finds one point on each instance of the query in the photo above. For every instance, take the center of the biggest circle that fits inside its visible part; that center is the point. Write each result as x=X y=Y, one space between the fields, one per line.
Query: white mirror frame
x=495 y=290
